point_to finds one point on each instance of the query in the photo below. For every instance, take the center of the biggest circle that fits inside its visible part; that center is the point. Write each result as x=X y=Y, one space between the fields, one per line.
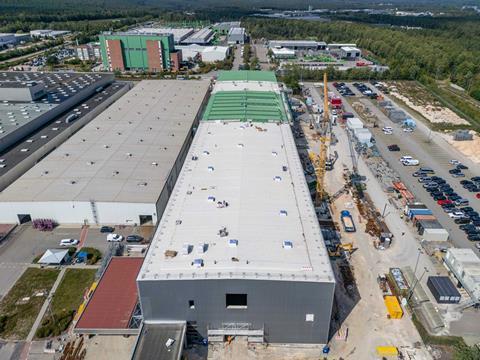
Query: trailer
x=347 y=221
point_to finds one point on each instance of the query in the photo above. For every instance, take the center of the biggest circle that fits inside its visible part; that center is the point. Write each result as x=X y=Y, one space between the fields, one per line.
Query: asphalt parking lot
x=430 y=154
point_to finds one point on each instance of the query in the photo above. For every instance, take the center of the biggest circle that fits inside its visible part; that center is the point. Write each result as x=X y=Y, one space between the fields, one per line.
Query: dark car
x=393 y=147
x=472 y=214
x=441 y=182
x=463 y=182
x=466 y=227
x=476 y=178
x=437 y=198
x=472 y=231
x=107 y=229
x=455 y=171
x=468 y=209
x=454 y=197
x=476 y=222
x=462 y=167
x=450 y=192
x=462 y=221
x=134 y=238
x=474 y=189
x=437 y=193
x=475 y=237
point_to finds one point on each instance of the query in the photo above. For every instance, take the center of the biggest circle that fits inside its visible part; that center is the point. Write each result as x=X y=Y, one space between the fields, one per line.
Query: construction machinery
x=340 y=250
x=321 y=161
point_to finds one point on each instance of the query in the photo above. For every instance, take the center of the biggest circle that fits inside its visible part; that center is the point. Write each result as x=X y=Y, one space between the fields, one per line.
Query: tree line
x=450 y=52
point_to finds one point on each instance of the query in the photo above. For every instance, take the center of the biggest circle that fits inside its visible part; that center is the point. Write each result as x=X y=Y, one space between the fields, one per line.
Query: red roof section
x=115 y=297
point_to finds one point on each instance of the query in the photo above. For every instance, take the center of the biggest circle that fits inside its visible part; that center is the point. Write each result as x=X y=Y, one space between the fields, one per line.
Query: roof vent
x=223 y=232
x=240 y=145
x=185 y=249
x=200 y=248
x=129 y=154
x=194 y=158
x=106 y=146
x=233 y=242
x=178 y=222
x=24 y=150
x=284 y=168
x=116 y=172
x=90 y=163
x=205 y=152
x=274 y=153
x=198 y=263
x=288 y=244
x=283 y=212
x=277 y=178
x=210 y=168
x=154 y=163
x=211 y=198
x=72 y=182
x=44 y=136
x=143 y=183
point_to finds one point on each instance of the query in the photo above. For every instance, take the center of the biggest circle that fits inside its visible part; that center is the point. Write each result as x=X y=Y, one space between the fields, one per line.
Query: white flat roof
x=178 y=33
x=349 y=48
x=123 y=155
x=246 y=86
x=268 y=204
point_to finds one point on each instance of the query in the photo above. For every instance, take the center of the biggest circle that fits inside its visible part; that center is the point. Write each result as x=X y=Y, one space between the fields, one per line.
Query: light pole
x=425 y=270
x=418 y=258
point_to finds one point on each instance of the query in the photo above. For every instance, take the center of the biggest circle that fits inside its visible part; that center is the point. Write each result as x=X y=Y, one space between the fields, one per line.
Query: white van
x=114 y=237
x=69 y=242
x=406 y=157
x=410 y=162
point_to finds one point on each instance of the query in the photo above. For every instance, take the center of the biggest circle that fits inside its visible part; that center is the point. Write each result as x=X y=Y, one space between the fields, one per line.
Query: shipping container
x=387 y=351
x=393 y=307
x=443 y=290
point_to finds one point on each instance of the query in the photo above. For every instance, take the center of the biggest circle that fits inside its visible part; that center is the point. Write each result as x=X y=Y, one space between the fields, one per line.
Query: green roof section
x=259 y=106
x=247 y=75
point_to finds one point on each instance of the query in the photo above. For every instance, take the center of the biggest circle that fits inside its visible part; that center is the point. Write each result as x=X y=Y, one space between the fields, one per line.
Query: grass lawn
x=69 y=294
x=17 y=313
x=65 y=302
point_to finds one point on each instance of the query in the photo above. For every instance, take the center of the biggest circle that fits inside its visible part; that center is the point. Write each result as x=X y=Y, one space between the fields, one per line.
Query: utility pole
x=425 y=270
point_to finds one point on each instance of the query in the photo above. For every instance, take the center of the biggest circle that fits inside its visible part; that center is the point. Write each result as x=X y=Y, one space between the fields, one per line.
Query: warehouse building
x=224 y=27
x=201 y=37
x=236 y=35
x=207 y=54
x=7 y=39
x=297 y=44
x=465 y=265
x=23 y=155
x=137 y=52
x=30 y=100
x=179 y=34
x=47 y=33
x=239 y=249
x=118 y=169
x=283 y=53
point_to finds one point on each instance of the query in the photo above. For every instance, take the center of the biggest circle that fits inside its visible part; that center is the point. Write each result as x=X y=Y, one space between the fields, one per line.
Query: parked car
x=424 y=179
x=427 y=170
x=477 y=196
x=456 y=215
x=461 y=202
x=457 y=175
x=444 y=202
x=134 y=238
x=408 y=130
x=419 y=173
x=462 y=167
x=474 y=238
x=107 y=229
x=114 y=237
x=439 y=197
x=464 y=182
x=462 y=221
x=430 y=185
x=468 y=209
x=454 y=171
x=454 y=162
x=69 y=242
x=393 y=147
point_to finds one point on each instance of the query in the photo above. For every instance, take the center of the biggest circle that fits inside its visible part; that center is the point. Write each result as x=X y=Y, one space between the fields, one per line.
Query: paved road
x=430 y=154
x=260 y=51
x=238 y=59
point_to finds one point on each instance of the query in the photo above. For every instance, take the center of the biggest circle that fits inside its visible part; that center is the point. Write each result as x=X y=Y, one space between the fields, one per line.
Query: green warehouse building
x=139 y=52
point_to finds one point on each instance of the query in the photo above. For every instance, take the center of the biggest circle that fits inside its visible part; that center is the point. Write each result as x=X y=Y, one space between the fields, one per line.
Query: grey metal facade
x=286 y=311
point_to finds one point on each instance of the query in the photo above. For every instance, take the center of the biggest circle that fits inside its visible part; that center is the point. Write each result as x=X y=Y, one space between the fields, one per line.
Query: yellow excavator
x=341 y=249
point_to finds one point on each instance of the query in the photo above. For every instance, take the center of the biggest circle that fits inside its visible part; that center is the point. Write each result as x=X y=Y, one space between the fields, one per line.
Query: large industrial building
x=118 y=169
x=297 y=44
x=30 y=100
x=239 y=250
x=201 y=37
x=137 y=52
x=236 y=35
x=179 y=34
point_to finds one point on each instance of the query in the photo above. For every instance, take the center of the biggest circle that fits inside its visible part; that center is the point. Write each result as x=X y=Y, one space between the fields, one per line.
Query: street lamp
x=425 y=270
x=418 y=258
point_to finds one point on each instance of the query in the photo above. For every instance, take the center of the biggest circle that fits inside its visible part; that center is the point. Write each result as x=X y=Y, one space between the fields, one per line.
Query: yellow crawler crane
x=320 y=161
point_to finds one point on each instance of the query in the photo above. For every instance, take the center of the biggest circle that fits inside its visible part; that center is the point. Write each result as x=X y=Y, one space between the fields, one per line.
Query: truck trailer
x=347 y=221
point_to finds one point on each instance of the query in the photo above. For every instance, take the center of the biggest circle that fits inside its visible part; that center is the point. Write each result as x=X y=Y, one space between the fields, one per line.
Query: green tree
x=465 y=352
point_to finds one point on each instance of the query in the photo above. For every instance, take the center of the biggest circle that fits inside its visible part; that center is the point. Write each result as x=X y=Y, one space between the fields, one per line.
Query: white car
x=387 y=128
x=456 y=215
x=454 y=162
x=69 y=242
x=408 y=130
x=410 y=162
x=114 y=237
x=406 y=157
x=388 y=132
x=477 y=245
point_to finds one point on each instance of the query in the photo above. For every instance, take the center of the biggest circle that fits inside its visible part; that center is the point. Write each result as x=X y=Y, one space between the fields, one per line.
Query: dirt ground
x=421 y=101
x=468 y=148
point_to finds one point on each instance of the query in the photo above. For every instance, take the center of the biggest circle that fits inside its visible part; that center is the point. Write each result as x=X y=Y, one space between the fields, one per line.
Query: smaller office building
x=137 y=52
x=352 y=53
x=236 y=35
x=297 y=44
x=201 y=37
x=283 y=53
x=465 y=265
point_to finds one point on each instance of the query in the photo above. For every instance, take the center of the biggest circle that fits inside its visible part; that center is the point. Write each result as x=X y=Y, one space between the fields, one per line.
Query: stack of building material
x=402 y=189
x=462 y=135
